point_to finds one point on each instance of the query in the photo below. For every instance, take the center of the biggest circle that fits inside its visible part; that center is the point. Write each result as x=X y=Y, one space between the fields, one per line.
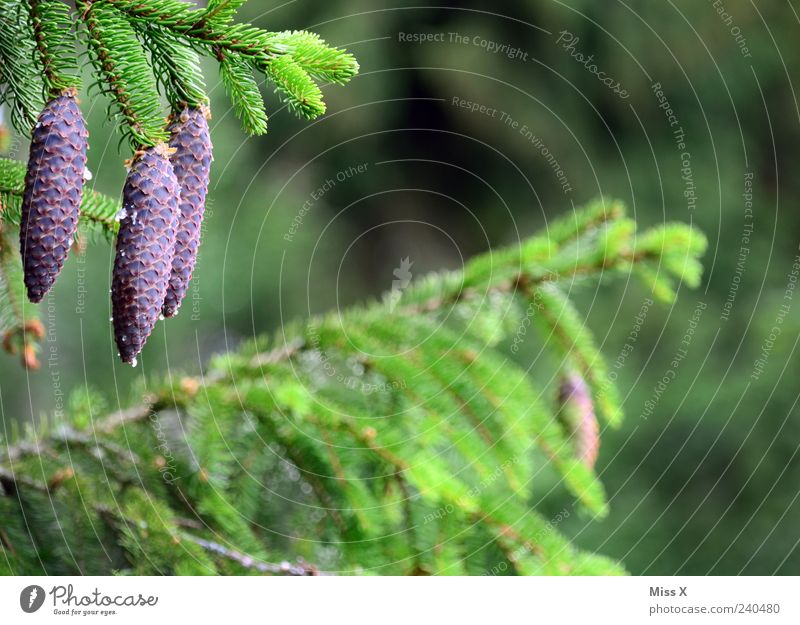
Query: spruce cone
x=192 y=163
x=578 y=418
x=145 y=246
x=53 y=191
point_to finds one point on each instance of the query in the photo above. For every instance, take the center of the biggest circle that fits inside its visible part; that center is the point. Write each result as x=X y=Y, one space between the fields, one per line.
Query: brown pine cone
x=53 y=192
x=145 y=245
x=576 y=414
x=192 y=163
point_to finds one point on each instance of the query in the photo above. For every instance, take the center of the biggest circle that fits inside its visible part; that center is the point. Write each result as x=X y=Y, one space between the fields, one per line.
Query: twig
x=300 y=569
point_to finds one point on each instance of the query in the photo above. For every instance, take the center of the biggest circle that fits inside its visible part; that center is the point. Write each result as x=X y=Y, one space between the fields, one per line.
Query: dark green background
x=709 y=482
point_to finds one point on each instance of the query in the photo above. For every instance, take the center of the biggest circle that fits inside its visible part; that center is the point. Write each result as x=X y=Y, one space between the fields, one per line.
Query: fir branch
x=452 y=440
x=321 y=61
x=290 y=59
x=237 y=78
x=175 y=14
x=222 y=11
x=20 y=449
x=614 y=247
x=51 y=22
x=97 y=210
x=249 y=562
x=20 y=85
x=295 y=86
x=124 y=72
x=177 y=68
x=563 y=325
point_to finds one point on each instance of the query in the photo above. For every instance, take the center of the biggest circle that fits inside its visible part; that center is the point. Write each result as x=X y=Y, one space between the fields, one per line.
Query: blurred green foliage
x=705 y=479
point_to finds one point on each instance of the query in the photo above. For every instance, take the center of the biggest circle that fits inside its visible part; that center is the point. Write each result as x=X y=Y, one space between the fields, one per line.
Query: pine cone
x=192 y=163
x=577 y=415
x=53 y=191
x=145 y=245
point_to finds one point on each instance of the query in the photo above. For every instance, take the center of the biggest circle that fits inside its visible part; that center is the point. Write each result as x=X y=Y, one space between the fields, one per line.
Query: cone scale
x=145 y=246
x=191 y=161
x=53 y=191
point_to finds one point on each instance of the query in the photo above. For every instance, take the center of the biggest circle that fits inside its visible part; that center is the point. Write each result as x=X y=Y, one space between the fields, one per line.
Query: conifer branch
x=292 y=60
x=222 y=11
x=451 y=439
x=98 y=210
x=141 y=48
x=51 y=22
x=242 y=88
x=295 y=86
x=249 y=562
x=562 y=322
x=20 y=86
x=457 y=424
x=119 y=58
x=177 y=69
x=262 y=46
x=508 y=269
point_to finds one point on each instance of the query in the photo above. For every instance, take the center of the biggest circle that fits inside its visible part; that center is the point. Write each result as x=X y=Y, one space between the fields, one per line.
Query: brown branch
x=105 y=426
x=522 y=280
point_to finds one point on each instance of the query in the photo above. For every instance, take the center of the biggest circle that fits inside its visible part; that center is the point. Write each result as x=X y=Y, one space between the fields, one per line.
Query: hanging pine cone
x=145 y=246
x=192 y=163
x=53 y=191
x=576 y=413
